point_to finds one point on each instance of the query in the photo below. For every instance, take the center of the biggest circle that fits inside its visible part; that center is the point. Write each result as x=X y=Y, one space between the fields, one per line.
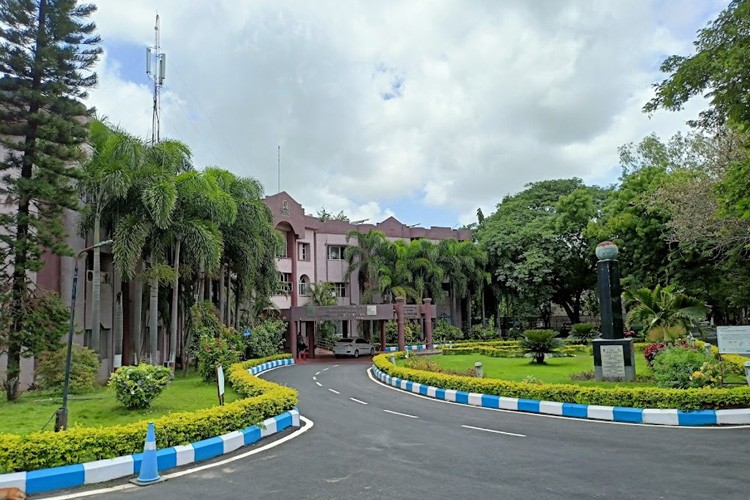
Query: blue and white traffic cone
x=149 y=468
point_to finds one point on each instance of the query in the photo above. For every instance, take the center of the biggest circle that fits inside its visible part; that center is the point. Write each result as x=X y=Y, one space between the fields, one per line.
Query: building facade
x=314 y=253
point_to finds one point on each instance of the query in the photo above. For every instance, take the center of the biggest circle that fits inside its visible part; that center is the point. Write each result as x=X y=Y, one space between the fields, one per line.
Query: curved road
x=370 y=441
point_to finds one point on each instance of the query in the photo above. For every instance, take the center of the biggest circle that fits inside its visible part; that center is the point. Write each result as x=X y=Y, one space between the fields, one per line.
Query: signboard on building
x=411 y=311
x=733 y=339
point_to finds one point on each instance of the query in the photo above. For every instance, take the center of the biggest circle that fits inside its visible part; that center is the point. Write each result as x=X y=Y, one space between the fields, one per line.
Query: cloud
x=451 y=104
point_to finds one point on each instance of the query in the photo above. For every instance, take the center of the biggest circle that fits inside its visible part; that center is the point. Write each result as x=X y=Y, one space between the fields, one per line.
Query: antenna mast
x=155 y=65
x=278 y=167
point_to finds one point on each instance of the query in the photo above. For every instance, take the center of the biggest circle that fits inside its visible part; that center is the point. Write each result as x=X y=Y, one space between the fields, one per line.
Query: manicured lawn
x=99 y=408
x=556 y=371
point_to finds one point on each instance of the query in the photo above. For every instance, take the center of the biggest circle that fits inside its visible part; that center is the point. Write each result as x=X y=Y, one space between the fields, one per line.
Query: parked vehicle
x=355 y=346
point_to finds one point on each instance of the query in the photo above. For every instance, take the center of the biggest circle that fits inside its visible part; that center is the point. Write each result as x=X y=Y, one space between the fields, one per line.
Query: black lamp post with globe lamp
x=61 y=417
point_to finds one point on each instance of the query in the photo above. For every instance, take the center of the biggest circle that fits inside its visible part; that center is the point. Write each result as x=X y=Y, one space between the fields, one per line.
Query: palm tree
x=665 y=313
x=107 y=177
x=427 y=274
x=200 y=207
x=153 y=201
x=364 y=259
x=394 y=274
x=250 y=242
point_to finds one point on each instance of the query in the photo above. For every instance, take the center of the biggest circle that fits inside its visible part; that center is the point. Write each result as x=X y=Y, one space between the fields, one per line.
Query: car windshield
x=344 y=341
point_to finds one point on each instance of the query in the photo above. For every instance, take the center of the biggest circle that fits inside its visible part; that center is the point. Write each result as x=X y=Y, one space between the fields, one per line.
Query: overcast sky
x=424 y=110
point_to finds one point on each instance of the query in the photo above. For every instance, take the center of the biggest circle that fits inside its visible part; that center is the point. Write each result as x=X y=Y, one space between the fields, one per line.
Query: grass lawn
x=99 y=408
x=556 y=371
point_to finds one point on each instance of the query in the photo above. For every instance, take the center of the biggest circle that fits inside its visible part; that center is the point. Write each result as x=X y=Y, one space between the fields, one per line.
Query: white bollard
x=707 y=347
x=747 y=371
x=478 y=369
x=393 y=359
x=406 y=352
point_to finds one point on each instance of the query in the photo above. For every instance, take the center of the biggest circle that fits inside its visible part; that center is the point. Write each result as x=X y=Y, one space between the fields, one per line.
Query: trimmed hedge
x=510 y=349
x=635 y=397
x=40 y=450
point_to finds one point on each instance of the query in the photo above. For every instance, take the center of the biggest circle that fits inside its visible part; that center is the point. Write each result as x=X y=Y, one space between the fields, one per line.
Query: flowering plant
x=709 y=375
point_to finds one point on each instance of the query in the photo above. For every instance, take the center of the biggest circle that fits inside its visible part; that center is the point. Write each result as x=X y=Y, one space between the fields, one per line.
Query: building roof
x=288 y=212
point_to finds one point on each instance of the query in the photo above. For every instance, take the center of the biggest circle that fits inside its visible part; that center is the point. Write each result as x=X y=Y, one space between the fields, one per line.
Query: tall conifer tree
x=47 y=48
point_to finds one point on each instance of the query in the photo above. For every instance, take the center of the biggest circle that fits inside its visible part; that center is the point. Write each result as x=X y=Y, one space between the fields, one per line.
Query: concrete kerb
x=71 y=476
x=670 y=417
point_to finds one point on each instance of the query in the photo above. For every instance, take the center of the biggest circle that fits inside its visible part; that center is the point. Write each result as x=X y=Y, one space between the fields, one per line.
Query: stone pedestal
x=614 y=360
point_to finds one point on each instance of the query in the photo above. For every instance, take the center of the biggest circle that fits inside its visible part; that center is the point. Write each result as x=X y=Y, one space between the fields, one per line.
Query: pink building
x=315 y=252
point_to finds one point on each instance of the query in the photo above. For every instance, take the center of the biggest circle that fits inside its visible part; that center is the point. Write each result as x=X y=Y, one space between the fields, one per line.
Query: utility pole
x=156 y=62
x=278 y=167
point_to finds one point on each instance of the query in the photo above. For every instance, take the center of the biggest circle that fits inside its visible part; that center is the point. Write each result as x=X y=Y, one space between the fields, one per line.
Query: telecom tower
x=156 y=62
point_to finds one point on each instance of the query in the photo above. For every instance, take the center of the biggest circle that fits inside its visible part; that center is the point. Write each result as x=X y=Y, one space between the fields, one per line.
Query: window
x=340 y=289
x=304 y=285
x=303 y=251
x=286 y=282
x=336 y=252
x=281 y=252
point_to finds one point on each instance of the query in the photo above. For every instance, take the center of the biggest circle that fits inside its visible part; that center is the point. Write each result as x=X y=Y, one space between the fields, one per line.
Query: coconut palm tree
x=664 y=313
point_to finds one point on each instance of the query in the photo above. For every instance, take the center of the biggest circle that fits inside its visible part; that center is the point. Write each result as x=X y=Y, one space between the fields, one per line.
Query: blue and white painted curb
x=71 y=476
x=574 y=410
x=255 y=370
x=414 y=347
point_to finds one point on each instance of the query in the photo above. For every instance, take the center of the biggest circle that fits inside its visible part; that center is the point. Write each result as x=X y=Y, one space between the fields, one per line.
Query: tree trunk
x=200 y=286
x=153 y=313
x=21 y=251
x=222 y=296
x=96 y=289
x=175 y=301
x=207 y=285
x=137 y=323
x=118 y=324
x=236 y=322
x=227 y=316
x=454 y=320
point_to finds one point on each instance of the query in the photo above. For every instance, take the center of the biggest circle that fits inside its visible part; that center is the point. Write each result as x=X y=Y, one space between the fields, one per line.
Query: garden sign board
x=733 y=339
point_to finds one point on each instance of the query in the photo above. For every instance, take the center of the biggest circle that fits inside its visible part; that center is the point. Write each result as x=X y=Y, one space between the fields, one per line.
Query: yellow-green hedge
x=636 y=397
x=509 y=349
x=40 y=450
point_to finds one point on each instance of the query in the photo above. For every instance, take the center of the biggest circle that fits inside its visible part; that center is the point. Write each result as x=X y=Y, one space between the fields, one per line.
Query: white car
x=353 y=347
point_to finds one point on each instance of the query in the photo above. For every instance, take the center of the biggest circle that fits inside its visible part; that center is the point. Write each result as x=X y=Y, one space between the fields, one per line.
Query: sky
x=421 y=110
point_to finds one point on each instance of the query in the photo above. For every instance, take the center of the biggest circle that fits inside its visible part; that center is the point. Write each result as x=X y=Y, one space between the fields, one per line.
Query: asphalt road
x=369 y=441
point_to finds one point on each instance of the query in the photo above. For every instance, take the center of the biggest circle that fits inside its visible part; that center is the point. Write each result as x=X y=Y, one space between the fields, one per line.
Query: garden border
x=669 y=417
x=70 y=476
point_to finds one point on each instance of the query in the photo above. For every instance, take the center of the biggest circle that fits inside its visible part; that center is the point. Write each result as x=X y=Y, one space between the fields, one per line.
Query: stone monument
x=614 y=355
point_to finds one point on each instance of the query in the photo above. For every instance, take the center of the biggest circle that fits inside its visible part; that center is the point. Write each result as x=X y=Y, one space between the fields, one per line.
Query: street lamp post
x=61 y=417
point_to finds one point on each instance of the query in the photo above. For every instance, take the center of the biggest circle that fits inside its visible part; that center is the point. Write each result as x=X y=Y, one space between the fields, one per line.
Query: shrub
x=709 y=375
x=582 y=333
x=444 y=332
x=137 y=386
x=50 y=369
x=635 y=397
x=212 y=352
x=675 y=366
x=514 y=333
x=652 y=350
x=481 y=332
x=266 y=339
x=538 y=343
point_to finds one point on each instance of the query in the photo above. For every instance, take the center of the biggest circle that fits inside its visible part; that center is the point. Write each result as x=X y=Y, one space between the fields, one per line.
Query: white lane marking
x=569 y=419
x=493 y=431
x=324 y=369
x=308 y=425
x=317 y=373
x=334 y=366
x=402 y=414
x=319 y=384
x=334 y=391
x=315 y=378
x=358 y=401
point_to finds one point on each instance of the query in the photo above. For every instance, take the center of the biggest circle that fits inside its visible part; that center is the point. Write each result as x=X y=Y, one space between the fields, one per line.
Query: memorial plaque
x=613 y=362
x=372 y=310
